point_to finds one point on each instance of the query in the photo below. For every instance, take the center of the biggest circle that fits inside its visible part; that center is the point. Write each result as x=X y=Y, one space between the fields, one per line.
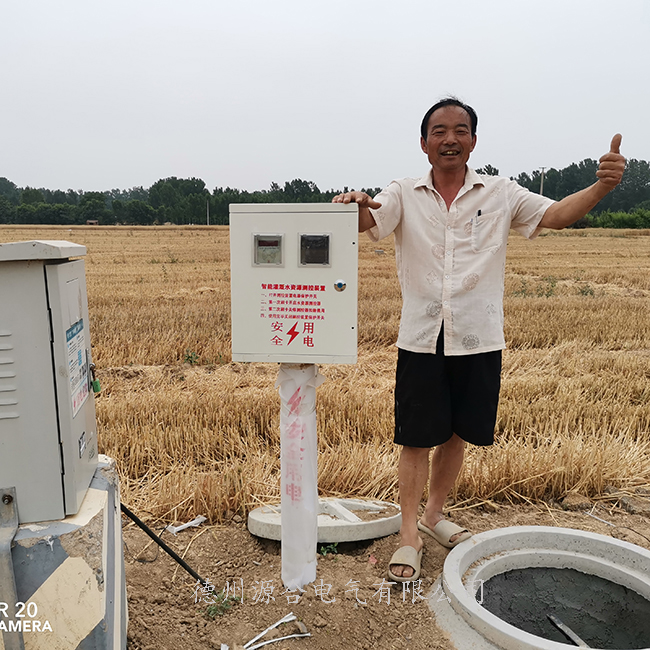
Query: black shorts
x=437 y=396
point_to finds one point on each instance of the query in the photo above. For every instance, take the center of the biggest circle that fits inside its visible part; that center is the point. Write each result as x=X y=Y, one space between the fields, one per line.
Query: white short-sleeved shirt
x=451 y=263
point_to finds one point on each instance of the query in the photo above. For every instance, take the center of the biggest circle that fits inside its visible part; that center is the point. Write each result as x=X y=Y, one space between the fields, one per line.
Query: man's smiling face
x=449 y=139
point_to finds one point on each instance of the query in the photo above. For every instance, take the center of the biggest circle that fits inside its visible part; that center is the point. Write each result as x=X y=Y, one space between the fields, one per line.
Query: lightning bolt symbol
x=293 y=332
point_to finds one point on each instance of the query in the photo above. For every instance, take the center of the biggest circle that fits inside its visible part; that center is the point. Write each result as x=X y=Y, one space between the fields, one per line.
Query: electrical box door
x=48 y=432
x=294 y=282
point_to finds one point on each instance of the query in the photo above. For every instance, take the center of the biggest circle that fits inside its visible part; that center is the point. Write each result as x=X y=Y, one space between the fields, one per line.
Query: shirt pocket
x=487 y=231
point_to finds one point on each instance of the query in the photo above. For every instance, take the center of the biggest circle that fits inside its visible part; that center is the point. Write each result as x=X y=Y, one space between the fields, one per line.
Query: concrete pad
x=337 y=521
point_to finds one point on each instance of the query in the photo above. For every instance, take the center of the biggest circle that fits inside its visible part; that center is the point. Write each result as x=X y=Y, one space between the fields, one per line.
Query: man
x=451 y=229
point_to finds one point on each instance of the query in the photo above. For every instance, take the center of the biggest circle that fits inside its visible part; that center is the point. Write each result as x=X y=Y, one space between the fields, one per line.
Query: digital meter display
x=267 y=250
x=314 y=250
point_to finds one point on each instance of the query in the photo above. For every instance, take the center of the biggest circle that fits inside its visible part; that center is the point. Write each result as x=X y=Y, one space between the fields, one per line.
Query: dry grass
x=194 y=433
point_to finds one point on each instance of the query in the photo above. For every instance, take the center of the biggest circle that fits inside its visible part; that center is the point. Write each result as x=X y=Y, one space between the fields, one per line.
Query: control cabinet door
x=29 y=441
x=66 y=285
x=294 y=282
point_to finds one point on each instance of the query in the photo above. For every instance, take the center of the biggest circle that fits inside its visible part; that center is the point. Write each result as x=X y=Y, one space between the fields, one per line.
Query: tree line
x=188 y=200
x=169 y=200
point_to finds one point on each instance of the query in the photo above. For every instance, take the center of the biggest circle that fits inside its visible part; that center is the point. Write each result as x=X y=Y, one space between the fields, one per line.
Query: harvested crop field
x=195 y=434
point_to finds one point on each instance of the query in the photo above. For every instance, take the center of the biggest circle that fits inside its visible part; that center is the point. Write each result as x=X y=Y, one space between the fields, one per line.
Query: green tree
x=131 y=194
x=92 y=207
x=179 y=200
x=59 y=196
x=192 y=185
x=7 y=210
x=139 y=212
x=523 y=179
x=632 y=192
x=119 y=210
x=163 y=194
x=222 y=198
x=9 y=190
x=46 y=213
x=25 y=213
x=299 y=191
x=634 y=188
x=488 y=170
x=31 y=196
x=196 y=207
x=56 y=213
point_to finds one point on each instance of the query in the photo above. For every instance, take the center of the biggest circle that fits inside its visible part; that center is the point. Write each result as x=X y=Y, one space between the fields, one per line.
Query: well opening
x=600 y=612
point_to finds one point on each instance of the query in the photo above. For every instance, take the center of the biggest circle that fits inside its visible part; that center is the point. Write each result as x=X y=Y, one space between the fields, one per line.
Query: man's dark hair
x=449 y=101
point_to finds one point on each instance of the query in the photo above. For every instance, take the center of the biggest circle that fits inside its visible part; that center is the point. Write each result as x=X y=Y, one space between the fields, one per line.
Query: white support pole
x=299 y=472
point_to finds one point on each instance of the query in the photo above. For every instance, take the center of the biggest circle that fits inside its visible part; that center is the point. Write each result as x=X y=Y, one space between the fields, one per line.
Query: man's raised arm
x=575 y=206
x=366 y=220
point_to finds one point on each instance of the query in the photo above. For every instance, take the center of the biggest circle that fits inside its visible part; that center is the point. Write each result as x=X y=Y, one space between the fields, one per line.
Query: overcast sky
x=99 y=95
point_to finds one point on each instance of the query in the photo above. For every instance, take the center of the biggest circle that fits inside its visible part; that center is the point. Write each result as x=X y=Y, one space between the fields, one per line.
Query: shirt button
x=448 y=227
x=445 y=303
x=446 y=277
x=448 y=253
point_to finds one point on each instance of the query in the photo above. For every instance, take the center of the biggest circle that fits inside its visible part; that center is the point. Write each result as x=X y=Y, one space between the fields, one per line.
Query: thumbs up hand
x=612 y=164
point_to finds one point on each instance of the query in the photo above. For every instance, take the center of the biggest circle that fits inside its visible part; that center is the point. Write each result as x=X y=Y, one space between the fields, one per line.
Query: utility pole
x=541 y=185
x=207 y=211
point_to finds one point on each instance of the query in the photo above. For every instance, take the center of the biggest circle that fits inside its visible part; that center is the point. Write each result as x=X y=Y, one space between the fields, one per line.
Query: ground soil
x=166 y=611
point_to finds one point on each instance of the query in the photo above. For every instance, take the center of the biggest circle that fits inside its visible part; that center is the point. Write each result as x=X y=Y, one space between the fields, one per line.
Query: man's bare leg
x=413 y=472
x=446 y=462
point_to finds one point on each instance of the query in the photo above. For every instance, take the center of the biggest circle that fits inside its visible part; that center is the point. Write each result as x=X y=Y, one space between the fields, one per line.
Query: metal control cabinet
x=48 y=432
x=294 y=282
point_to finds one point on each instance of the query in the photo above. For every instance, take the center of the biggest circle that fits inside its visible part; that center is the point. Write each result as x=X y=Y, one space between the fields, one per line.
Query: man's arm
x=366 y=220
x=575 y=206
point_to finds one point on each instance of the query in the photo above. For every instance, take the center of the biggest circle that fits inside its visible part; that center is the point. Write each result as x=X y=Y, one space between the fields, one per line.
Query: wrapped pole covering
x=299 y=472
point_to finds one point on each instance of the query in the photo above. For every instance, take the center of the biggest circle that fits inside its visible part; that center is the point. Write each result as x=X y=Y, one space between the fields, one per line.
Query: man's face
x=449 y=139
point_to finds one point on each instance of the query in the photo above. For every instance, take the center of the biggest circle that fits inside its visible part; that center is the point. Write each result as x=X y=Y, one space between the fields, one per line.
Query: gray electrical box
x=48 y=431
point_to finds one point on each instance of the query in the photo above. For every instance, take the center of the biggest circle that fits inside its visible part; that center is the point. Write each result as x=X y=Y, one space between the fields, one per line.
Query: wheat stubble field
x=194 y=433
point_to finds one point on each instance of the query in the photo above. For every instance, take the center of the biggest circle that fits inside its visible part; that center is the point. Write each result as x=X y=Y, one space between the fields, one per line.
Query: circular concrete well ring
x=497 y=551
